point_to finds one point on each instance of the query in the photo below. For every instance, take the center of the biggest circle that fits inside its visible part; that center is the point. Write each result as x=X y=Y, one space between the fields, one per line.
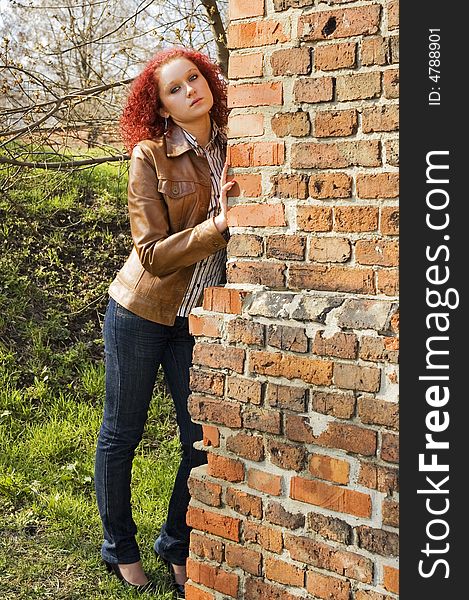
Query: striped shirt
x=211 y=270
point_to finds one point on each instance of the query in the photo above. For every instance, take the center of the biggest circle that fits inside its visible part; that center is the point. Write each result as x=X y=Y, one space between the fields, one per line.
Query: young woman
x=172 y=126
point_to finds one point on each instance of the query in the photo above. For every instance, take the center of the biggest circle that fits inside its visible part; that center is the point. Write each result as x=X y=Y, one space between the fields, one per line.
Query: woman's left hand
x=221 y=222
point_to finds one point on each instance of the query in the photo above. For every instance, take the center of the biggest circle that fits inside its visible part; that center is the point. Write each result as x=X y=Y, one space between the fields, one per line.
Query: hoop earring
x=166 y=123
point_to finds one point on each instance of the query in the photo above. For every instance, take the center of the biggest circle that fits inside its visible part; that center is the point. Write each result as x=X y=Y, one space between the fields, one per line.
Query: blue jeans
x=134 y=349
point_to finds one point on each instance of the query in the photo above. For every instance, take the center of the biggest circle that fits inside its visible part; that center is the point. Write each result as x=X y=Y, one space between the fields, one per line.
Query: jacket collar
x=176 y=141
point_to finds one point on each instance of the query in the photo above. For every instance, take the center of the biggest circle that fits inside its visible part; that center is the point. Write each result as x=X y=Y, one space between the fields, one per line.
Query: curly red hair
x=141 y=119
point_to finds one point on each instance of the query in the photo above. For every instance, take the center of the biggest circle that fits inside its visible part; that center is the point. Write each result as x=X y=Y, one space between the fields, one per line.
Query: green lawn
x=62 y=238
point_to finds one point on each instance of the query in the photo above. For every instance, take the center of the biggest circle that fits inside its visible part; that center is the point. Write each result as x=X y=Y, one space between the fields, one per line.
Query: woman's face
x=184 y=92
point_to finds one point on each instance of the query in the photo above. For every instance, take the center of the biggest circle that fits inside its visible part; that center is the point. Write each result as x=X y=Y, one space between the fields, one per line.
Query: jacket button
x=175 y=189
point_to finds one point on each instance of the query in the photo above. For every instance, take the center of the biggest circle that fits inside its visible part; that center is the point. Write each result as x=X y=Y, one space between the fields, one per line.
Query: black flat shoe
x=114 y=569
x=178 y=588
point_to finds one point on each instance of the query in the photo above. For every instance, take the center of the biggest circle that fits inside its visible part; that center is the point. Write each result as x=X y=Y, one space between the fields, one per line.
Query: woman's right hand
x=221 y=222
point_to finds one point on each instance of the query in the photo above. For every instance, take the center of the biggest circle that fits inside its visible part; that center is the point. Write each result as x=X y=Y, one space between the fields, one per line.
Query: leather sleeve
x=160 y=251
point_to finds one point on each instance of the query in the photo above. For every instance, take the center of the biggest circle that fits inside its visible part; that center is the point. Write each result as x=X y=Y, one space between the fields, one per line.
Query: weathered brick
x=314 y=218
x=356 y=218
x=337 y=155
x=342 y=345
x=360 y=313
x=370 y=595
x=285 y=247
x=380 y=118
x=194 y=593
x=245 y=558
x=330 y=528
x=390 y=447
x=286 y=456
x=329 y=468
x=256 y=33
x=291 y=61
x=378 y=541
x=379 y=349
x=389 y=220
x=394 y=48
x=390 y=512
x=214 y=578
x=258 y=589
x=225 y=300
x=255 y=94
x=211 y=436
x=241 y=9
x=330 y=185
x=291 y=186
x=377 y=252
x=205 y=325
x=378 y=185
x=391 y=83
x=358 y=86
x=269 y=538
x=286 y=397
x=244 y=389
x=245 y=332
x=264 y=482
x=292 y=123
x=331 y=278
x=205 y=491
x=377 y=477
x=326 y=587
x=378 y=412
x=392 y=152
x=332 y=123
x=256 y=154
x=330 y=249
x=287 y=338
x=283 y=572
x=262 y=419
x=375 y=51
x=391 y=579
x=245 y=65
x=260 y=272
x=393 y=13
x=246 y=446
x=388 y=282
x=257 y=215
x=331 y=497
x=245 y=125
x=329 y=57
x=244 y=503
x=209 y=382
x=357 y=377
x=225 y=468
x=248 y=185
x=313 y=89
x=325 y=556
x=278 y=364
x=335 y=404
x=341 y=23
x=215 y=523
x=206 y=547
x=216 y=411
x=214 y=355
x=245 y=245
x=278 y=515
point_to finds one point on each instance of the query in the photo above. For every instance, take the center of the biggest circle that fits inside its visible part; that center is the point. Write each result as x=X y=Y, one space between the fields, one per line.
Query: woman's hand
x=220 y=220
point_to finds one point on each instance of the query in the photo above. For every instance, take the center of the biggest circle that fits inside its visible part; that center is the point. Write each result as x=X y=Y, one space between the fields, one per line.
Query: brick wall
x=295 y=365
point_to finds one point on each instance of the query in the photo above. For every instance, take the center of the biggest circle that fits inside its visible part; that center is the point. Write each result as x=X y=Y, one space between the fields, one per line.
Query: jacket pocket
x=176 y=189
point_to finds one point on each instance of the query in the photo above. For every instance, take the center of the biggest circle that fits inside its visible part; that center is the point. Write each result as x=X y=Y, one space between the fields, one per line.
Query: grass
x=62 y=239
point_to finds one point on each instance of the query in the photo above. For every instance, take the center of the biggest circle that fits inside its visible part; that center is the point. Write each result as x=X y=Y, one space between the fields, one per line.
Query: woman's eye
x=174 y=89
x=192 y=77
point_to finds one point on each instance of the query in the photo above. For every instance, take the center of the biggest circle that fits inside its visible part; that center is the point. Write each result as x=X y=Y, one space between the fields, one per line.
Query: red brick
x=286 y=396
x=255 y=94
x=390 y=512
x=380 y=118
x=208 y=382
x=358 y=86
x=215 y=523
x=337 y=155
x=205 y=491
x=225 y=300
x=389 y=220
x=225 y=468
x=262 y=419
x=257 y=215
x=391 y=83
x=393 y=14
x=213 y=577
x=330 y=185
x=245 y=125
x=260 y=272
x=328 y=468
x=245 y=558
x=328 y=57
x=330 y=558
x=294 y=123
x=286 y=456
x=335 y=123
x=245 y=65
x=331 y=497
x=313 y=89
x=378 y=185
x=244 y=503
x=370 y=595
x=377 y=477
x=248 y=185
x=291 y=61
x=375 y=51
x=283 y=572
x=379 y=349
x=247 y=446
x=215 y=355
x=314 y=218
x=245 y=332
x=256 y=154
x=390 y=447
x=205 y=325
x=267 y=537
x=291 y=186
x=336 y=404
x=342 y=345
x=241 y=9
x=279 y=364
x=391 y=579
x=264 y=482
x=244 y=389
x=378 y=412
x=211 y=436
x=340 y=23
x=392 y=152
x=327 y=249
x=377 y=252
x=356 y=219
x=258 y=589
x=256 y=33
x=285 y=247
x=245 y=245
x=388 y=282
x=216 y=411
x=331 y=278
x=195 y=593
x=357 y=377
x=326 y=587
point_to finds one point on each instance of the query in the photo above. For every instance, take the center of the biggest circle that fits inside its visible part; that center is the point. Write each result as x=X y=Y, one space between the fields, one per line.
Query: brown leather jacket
x=169 y=194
